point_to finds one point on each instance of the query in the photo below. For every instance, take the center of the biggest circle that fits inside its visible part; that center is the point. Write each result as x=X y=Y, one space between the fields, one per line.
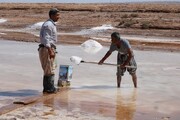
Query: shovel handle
x=108 y=64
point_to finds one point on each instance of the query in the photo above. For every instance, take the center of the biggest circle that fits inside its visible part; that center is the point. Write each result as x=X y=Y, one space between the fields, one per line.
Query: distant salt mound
x=95 y=30
x=2 y=20
x=36 y=26
x=103 y=27
x=91 y=46
x=2 y=33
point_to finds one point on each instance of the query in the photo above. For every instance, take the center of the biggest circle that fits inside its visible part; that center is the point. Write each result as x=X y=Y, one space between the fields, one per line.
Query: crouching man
x=125 y=57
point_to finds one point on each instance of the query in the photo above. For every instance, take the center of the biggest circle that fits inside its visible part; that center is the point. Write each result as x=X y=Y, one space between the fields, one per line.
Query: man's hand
x=122 y=66
x=104 y=58
x=51 y=53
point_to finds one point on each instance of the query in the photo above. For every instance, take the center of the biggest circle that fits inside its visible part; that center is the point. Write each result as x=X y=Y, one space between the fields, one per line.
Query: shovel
x=82 y=61
x=79 y=60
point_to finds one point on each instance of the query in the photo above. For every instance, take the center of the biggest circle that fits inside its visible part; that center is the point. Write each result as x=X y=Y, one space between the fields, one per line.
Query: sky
x=80 y=1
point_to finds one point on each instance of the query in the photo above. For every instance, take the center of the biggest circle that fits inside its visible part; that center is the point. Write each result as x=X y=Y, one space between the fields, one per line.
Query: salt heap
x=103 y=27
x=95 y=30
x=91 y=46
x=36 y=26
x=2 y=20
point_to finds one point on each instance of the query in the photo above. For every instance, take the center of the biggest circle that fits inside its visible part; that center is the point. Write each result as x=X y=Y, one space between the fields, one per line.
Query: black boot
x=45 y=88
x=50 y=84
x=52 y=77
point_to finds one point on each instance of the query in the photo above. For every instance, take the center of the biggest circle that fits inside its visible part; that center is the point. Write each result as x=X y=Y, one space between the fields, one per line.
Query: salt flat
x=93 y=93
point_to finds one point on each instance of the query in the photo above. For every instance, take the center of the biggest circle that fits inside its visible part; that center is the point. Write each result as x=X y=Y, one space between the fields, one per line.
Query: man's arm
x=47 y=36
x=104 y=58
x=130 y=55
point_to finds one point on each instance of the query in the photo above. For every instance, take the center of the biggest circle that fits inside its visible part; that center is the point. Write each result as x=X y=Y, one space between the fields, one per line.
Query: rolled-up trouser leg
x=120 y=71
x=120 y=60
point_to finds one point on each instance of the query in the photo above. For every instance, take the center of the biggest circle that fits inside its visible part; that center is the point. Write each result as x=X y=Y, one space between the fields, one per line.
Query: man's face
x=55 y=17
x=114 y=40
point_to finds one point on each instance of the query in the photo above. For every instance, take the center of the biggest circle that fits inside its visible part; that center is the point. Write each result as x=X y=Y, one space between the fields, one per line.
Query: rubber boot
x=45 y=84
x=47 y=87
x=50 y=84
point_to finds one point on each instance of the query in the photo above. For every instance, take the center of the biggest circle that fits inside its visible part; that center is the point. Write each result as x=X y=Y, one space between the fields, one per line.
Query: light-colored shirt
x=48 y=33
x=123 y=47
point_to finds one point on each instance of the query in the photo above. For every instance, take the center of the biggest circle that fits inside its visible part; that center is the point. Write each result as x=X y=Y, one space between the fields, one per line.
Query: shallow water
x=83 y=1
x=93 y=93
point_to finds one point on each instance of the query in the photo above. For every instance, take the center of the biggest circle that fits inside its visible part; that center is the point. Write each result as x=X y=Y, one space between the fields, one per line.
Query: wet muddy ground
x=143 y=21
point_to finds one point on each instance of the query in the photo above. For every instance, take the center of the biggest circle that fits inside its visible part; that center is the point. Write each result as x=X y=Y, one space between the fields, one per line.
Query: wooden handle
x=108 y=64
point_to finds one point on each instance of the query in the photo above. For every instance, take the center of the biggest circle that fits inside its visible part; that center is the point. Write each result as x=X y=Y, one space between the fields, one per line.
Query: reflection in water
x=62 y=99
x=126 y=105
x=121 y=105
x=56 y=101
x=50 y=104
